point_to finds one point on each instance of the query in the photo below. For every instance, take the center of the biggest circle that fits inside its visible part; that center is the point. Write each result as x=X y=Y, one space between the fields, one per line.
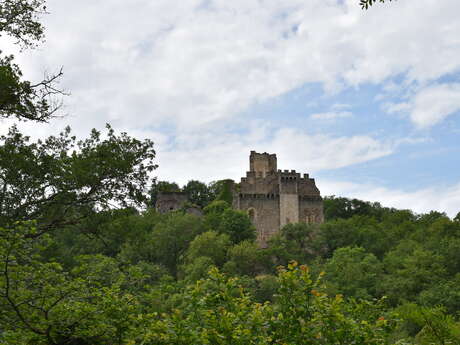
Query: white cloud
x=429 y=105
x=434 y=103
x=331 y=115
x=440 y=198
x=339 y=106
x=219 y=155
x=396 y=107
x=316 y=152
x=189 y=63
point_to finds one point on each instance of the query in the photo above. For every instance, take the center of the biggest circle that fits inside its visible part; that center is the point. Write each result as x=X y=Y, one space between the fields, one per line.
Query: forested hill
x=85 y=259
x=368 y=275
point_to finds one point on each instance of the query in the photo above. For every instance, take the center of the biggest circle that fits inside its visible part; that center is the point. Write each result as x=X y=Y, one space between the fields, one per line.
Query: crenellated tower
x=274 y=198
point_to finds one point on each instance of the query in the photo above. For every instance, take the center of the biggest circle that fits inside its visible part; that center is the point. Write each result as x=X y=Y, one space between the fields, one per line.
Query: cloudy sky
x=367 y=102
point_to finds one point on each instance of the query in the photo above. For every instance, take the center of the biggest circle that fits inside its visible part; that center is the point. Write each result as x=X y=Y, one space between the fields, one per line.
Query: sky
x=366 y=102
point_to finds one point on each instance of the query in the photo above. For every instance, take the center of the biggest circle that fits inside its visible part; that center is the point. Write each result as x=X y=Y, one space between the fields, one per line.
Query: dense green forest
x=96 y=274
x=86 y=260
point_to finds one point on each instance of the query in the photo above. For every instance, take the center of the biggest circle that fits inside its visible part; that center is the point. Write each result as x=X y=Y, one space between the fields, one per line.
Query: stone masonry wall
x=289 y=209
x=262 y=162
x=251 y=184
x=311 y=209
x=264 y=213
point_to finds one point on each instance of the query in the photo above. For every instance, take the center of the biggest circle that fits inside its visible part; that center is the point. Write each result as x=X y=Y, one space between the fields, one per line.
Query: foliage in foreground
x=217 y=310
x=100 y=302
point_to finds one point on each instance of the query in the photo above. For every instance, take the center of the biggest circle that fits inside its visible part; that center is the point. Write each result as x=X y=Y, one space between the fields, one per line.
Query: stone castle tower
x=274 y=198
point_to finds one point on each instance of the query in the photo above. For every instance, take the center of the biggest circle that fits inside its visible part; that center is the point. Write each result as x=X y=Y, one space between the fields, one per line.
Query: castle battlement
x=258 y=196
x=276 y=196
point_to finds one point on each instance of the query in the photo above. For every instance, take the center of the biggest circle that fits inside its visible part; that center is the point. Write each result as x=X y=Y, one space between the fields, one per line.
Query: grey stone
x=273 y=198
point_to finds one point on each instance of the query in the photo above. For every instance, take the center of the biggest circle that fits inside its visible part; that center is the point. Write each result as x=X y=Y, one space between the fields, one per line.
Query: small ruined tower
x=274 y=198
x=170 y=201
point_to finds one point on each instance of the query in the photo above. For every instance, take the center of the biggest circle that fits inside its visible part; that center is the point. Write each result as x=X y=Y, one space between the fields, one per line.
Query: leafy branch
x=365 y=4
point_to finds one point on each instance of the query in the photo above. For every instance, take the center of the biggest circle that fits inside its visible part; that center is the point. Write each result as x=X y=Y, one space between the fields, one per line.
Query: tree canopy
x=22 y=99
x=61 y=180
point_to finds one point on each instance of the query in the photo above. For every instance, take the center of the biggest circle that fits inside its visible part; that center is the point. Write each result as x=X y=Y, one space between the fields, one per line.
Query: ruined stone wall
x=170 y=201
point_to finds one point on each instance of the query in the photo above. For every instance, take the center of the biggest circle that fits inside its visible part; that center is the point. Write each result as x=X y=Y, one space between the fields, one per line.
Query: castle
x=273 y=198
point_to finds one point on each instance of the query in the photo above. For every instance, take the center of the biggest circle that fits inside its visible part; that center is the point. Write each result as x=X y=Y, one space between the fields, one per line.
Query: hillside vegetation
x=368 y=275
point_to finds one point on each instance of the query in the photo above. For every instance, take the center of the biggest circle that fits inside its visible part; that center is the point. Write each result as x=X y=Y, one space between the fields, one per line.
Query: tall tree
x=353 y=272
x=172 y=237
x=20 y=19
x=198 y=193
x=60 y=181
x=22 y=99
